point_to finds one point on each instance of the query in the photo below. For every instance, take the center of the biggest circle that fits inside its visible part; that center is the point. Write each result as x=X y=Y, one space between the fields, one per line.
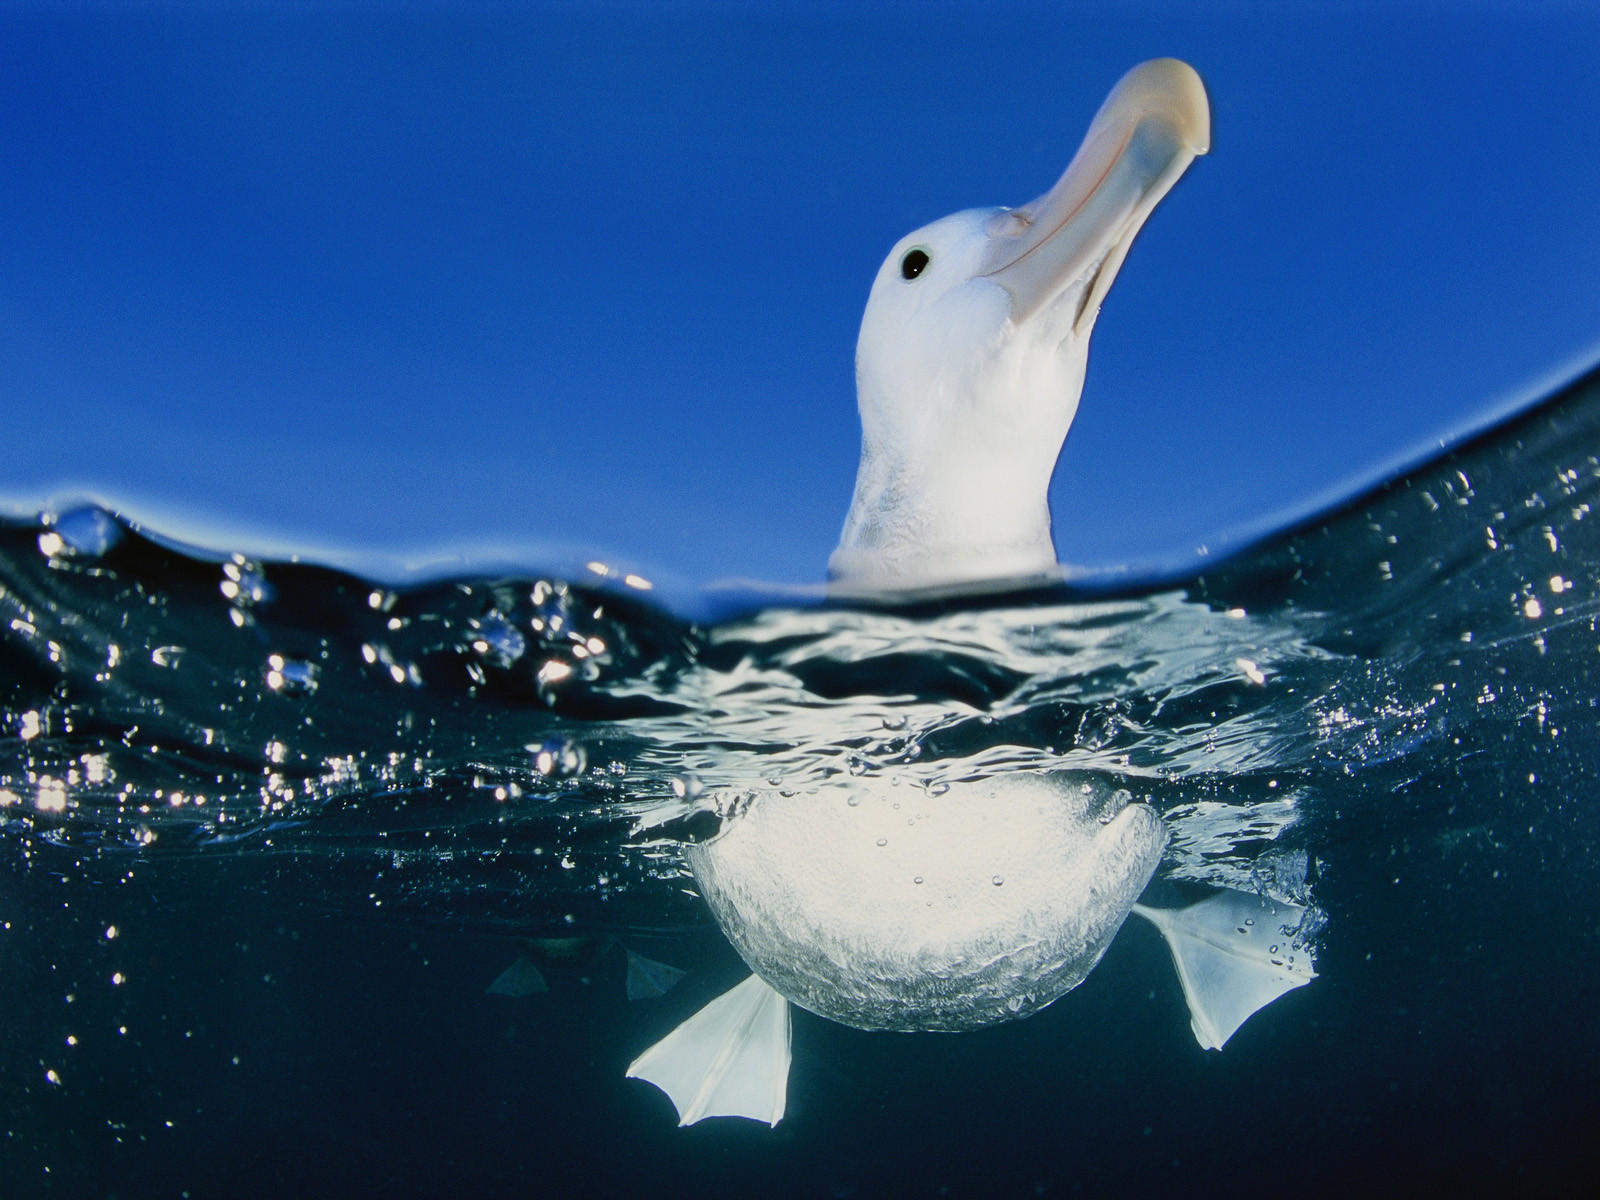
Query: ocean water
x=269 y=832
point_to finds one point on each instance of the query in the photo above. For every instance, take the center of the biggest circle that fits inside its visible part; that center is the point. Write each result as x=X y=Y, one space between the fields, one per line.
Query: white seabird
x=1001 y=895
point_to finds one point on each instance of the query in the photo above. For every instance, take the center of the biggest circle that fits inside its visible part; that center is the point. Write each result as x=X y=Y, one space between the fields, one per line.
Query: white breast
x=886 y=907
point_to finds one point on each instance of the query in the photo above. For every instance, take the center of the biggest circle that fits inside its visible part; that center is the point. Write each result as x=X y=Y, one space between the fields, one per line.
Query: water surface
x=267 y=830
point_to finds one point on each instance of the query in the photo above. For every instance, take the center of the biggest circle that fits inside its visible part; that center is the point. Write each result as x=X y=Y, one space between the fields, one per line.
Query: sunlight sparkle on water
x=1252 y=672
x=52 y=795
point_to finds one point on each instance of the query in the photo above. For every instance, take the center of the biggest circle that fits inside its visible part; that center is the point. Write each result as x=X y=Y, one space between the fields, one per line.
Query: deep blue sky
x=429 y=279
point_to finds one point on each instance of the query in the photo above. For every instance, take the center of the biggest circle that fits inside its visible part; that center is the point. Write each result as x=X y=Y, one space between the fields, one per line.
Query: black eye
x=914 y=263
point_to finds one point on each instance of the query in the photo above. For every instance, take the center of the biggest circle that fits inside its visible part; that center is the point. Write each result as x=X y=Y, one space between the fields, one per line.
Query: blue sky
x=426 y=279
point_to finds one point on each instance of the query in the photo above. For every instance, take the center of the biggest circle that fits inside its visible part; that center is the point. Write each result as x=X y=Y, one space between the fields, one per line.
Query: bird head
x=974 y=344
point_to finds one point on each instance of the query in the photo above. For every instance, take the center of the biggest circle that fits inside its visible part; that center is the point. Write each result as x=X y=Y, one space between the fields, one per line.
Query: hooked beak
x=1148 y=131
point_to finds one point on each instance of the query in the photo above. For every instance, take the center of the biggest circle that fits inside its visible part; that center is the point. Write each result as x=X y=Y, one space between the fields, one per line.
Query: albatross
x=1006 y=892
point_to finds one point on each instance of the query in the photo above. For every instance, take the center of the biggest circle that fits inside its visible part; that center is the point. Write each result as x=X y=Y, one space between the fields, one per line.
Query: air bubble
x=291 y=676
x=496 y=640
x=559 y=757
x=244 y=584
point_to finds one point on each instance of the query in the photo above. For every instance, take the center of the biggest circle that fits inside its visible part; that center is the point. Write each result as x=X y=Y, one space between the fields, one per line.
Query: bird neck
x=959 y=518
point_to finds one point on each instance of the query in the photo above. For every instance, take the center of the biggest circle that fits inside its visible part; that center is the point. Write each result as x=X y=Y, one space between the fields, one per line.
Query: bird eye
x=914 y=263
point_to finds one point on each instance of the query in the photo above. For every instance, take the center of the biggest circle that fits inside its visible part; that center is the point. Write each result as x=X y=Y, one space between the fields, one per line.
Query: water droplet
x=554 y=671
x=853 y=801
x=495 y=639
x=1272 y=949
x=559 y=757
x=918 y=879
x=998 y=880
x=938 y=789
x=291 y=676
x=244 y=584
x=86 y=531
x=883 y=841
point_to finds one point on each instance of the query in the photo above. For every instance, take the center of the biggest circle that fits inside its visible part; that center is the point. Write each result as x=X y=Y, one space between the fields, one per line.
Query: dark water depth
x=268 y=831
